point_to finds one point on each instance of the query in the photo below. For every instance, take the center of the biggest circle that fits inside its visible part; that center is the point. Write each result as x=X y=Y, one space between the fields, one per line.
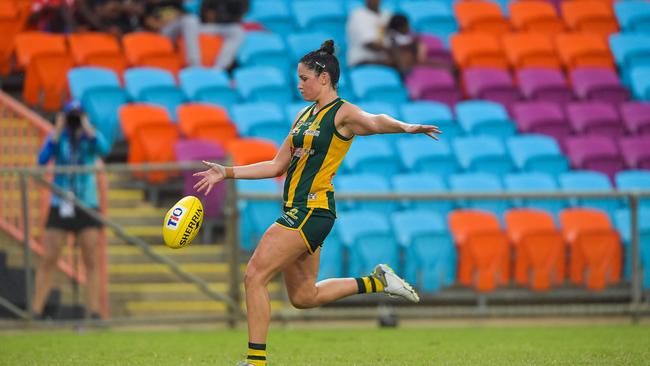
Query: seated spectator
x=55 y=16
x=365 y=29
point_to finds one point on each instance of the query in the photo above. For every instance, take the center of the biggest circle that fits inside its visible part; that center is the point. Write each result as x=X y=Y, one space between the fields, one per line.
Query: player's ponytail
x=323 y=60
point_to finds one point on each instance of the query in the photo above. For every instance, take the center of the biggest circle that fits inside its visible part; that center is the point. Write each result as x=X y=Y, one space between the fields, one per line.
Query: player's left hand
x=428 y=130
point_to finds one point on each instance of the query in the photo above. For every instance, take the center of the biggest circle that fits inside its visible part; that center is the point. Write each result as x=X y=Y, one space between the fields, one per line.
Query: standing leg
x=233 y=36
x=88 y=239
x=54 y=242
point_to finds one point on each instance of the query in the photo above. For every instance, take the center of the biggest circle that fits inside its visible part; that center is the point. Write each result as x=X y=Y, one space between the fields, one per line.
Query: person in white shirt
x=365 y=30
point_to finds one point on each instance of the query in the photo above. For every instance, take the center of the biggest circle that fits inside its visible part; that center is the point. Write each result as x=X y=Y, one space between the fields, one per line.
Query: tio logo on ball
x=175 y=218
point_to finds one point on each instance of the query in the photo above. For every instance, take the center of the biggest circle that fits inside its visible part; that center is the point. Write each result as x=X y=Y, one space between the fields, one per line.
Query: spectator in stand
x=74 y=141
x=365 y=30
x=55 y=16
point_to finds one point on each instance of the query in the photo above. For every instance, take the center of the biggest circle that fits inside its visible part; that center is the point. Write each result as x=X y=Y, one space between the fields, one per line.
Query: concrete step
x=157 y=272
x=206 y=307
x=120 y=254
x=120 y=293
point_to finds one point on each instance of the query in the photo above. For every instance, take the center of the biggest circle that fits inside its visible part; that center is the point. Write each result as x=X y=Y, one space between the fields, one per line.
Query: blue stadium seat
x=537 y=153
x=274 y=15
x=481 y=117
x=479 y=183
x=588 y=181
x=640 y=78
x=623 y=225
x=369 y=239
x=201 y=84
x=261 y=119
x=326 y=16
x=434 y=17
x=332 y=257
x=371 y=156
x=432 y=113
x=630 y=50
x=430 y=256
x=302 y=43
x=256 y=216
x=294 y=108
x=263 y=84
x=264 y=49
x=364 y=183
x=378 y=84
x=634 y=180
x=482 y=154
x=534 y=182
x=422 y=183
x=377 y=107
x=633 y=16
x=101 y=96
x=153 y=85
x=423 y=154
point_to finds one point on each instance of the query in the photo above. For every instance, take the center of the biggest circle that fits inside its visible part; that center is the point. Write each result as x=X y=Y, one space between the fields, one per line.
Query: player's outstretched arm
x=359 y=122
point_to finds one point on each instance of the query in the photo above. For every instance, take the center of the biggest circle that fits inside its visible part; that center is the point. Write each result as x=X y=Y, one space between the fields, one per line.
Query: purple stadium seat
x=636 y=117
x=197 y=150
x=596 y=83
x=547 y=118
x=490 y=84
x=597 y=153
x=594 y=118
x=436 y=50
x=544 y=85
x=433 y=84
x=636 y=151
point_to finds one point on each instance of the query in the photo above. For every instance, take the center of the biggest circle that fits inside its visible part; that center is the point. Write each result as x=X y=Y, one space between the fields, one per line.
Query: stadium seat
x=538 y=247
x=292 y=110
x=634 y=180
x=377 y=83
x=635 y=151
x=332 y=257
x=534 y=182
x=250 y=150
x=262 y=84
x=273 y=15
x=430 y=17
x=623 y=225
x=97 y=49
x=640 y=78
x=633 y=16
x=597 y=153
x=583 y=49
x=480 y=117
x=431 y=113
x=264 y=49
x=598 y=84
x=434 y=84
x=10 y=24
x=46 y=61
x=372 y=156
x=596 y=257
x=635 y=117
x=316 y=15
x=535 y=17
x=151 y=49
x=210 y=46
x=483 y=251
x=437 y=49
x=154 y=85
x=478 y=50
x=206 y=122
x=300 y=44
x=537 y=153
x=596 y=17
x=630 y=50
x=594 y=118
x=422 y=183
x=526 y=50
x=545 y=118
x=422 y=154
x=482 y=154
x=369 y=240
x=545 y=85
x=588 y=181
x=430 y=256
x=481 y=16
x=491 y=84
x=207 y=85
x=361 y=184
x=256 y=215
x=261 y=120
x=479 y=183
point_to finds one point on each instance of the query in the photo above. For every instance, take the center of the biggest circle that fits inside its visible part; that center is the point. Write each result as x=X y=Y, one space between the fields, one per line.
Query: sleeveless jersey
x=317 y=151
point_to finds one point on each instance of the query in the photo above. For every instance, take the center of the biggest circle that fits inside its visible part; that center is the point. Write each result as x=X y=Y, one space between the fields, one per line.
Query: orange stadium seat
x=530 y=50
x=470 y=50
x=596 y=17
x=97 y=49
x=206 y=122
x=250 y=150
x=483 y=251
x=539 y=248
x=210 y=46
x=46 y=61
x=535 y=16
x=580 y=49
x=595 y=247
x=481 y=16
x=151 y=49
x=10 y=24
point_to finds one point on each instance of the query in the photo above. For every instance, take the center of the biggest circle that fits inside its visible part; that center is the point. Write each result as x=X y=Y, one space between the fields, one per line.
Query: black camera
x=73 y=120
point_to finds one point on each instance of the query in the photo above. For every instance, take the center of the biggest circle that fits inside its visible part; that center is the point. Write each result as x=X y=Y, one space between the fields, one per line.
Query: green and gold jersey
x=317 y=150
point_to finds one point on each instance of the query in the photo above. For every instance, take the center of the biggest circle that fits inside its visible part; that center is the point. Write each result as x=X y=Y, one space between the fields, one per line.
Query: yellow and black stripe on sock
x=369 y=284
x=256 y=354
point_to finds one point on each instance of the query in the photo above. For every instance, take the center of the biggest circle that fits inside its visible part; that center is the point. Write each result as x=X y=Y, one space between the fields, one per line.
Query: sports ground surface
x=488 y=345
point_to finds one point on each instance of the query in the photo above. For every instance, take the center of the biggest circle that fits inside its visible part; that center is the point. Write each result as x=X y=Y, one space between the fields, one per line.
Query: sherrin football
x=182 y=222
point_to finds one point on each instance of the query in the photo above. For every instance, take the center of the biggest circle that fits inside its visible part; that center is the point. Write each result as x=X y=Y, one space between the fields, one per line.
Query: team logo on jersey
x=300 y=152
x=312 y=196
x=314 y=133
x=295 y=131
x=175 y=218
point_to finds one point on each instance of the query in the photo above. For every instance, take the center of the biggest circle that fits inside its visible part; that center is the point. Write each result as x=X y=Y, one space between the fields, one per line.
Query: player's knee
x=253 y=277
x=302 y=301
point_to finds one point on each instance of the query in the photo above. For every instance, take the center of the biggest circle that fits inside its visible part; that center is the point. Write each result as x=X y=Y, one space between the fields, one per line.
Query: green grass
x=513 y=345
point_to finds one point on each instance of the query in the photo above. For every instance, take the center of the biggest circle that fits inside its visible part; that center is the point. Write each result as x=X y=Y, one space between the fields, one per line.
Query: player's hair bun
x=327 y=47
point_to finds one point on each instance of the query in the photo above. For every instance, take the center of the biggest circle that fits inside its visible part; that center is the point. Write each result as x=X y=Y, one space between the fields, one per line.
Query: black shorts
x=80 y=221
x=313 y=224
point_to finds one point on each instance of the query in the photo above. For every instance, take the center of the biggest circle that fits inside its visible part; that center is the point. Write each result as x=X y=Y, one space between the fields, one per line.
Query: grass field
x=512 y=345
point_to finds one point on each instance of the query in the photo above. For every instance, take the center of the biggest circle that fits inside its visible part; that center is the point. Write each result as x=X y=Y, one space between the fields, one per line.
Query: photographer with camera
x=74 y=141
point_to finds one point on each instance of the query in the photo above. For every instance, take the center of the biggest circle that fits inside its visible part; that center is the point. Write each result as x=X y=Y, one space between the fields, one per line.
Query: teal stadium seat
x=640 y=77
x=481 y=117
x=423 y=154
x=432 y=113
x=633 y=16
x=262 y=120
x=537 y=153
x=332 y=257
x=207 y=85
x=589 y=181
x=623 y=225
x=363 y=184
x=482 y=154
x=422 y=183
x=274 y=15
x=264 y=49
x=432 y=17
x=373 y=83
x=263 y=84
x=156 y=86
x=534 y=182
x=479 y=183
x=630 y=50
x=367 y=155
x=326 y=16
x=256 y=216
x=634 y=180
